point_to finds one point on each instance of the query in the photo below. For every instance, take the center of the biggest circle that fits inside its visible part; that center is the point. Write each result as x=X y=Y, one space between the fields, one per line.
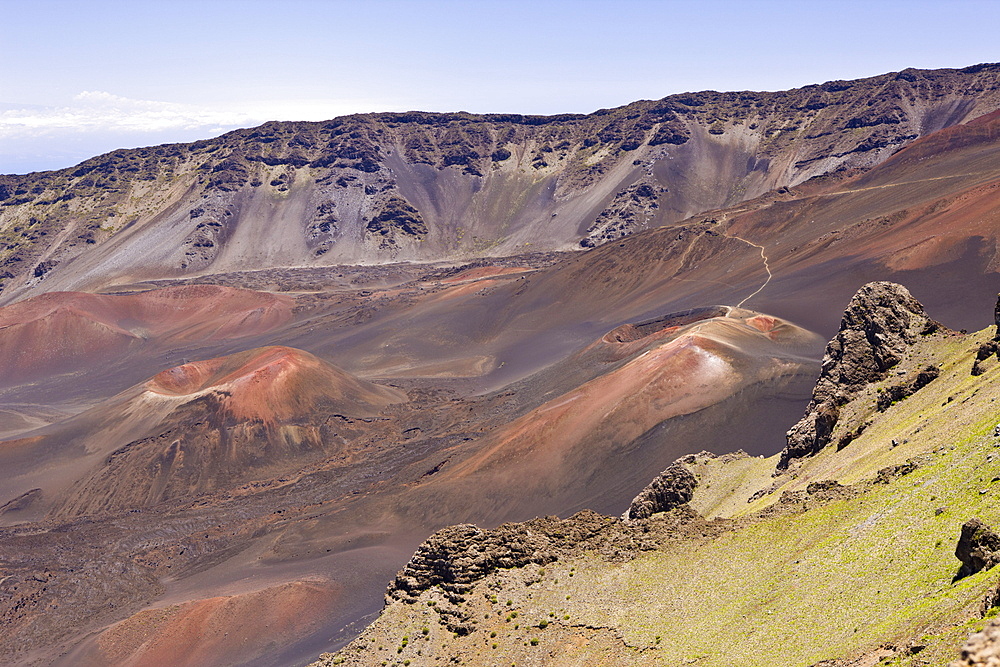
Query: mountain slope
x=418 y=186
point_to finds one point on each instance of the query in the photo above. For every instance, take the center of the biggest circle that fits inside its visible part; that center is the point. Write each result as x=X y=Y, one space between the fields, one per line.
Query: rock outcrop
x=632 y=209
x=982 y=649
x=907 y=388
x=990 y=347
x=978 y=548
x=457 y=556
x=672 y=488
x=996 y=318
x=881 y=321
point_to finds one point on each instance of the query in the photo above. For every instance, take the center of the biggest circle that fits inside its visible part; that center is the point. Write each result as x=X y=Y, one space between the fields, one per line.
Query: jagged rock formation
x=990 y=347
x=456 y=556
x=632 y=209
x=454 y=184
x=672 y=488
x=978 y=548
x=983 y=353
x=881 y=321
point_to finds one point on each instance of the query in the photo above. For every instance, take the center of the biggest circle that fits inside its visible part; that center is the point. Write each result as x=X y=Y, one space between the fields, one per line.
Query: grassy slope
x=837 y=580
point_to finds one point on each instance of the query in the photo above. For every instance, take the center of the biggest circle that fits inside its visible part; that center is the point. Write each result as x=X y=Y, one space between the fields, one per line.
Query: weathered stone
x=982 y=649
x=672 y=488
x=907 y=388
x=985 y=351
x=978 y=548
x=996 y=318
x=457 y=556
x=890 y=473
x=881 y=321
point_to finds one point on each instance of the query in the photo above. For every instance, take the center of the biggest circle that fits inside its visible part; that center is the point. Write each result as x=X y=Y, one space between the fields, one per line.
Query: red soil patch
x=63 y=331
x=763 y=323
x=216 y=631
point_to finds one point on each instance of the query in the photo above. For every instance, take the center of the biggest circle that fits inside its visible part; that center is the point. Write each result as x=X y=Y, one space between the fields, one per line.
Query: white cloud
x=103 y=112
x=34 y=137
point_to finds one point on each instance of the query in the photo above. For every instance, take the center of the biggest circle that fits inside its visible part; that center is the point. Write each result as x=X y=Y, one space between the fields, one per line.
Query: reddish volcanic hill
x=635 y=386
x=201 y=426
x=61 y=332
x=270 y=385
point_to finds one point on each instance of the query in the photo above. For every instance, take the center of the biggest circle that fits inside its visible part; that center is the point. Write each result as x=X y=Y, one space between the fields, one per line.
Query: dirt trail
x=763 y=255
x=892 y=185
x=767 y=268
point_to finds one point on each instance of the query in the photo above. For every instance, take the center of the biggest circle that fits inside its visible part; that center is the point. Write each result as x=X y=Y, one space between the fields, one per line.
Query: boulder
x=978 y=548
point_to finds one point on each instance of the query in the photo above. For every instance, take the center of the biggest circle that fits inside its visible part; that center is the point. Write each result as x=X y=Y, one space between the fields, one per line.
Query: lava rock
x=457 y=556
x=906 y=389
x=672 y=488
x=881 y=321
x=978 y=548
x=996 y=318
x=982 y=649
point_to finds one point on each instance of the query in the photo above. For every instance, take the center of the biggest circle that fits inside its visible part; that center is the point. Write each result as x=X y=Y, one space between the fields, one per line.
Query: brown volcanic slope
x=582 y=445
x=420 y=186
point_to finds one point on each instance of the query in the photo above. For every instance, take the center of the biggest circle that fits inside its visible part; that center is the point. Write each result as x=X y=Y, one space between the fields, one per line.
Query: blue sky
x=84 y=77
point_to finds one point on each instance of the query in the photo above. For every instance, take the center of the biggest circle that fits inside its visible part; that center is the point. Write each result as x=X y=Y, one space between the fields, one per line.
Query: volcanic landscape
x=242 y=379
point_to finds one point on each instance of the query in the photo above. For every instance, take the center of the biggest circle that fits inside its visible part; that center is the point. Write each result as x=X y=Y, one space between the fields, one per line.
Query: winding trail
x=767 y=268
x=763 y=256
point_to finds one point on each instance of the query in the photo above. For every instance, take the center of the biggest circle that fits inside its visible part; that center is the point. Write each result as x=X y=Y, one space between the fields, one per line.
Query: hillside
x=848 y=560
x=421 y=186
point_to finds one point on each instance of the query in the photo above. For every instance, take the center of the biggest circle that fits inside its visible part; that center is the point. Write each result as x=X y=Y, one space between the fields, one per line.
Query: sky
x=82 y=77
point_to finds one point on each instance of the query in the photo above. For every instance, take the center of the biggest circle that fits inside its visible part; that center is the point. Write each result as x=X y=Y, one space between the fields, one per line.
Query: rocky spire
x=881 y=321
